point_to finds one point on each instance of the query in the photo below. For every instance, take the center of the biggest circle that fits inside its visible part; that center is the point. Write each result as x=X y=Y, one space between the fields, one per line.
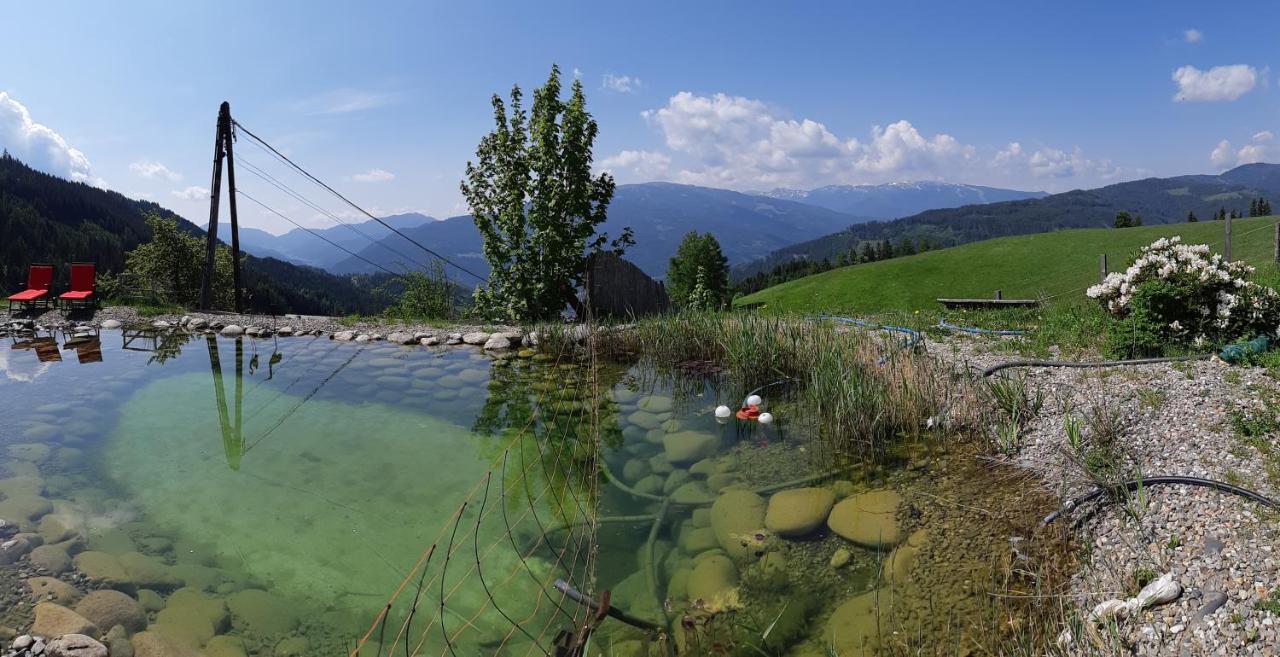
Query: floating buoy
x=723 y=411
x=748 y=412
x=765 y=418
x=754 y=400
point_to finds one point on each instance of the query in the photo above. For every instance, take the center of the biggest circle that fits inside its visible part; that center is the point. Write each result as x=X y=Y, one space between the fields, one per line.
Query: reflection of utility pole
x=232 y=438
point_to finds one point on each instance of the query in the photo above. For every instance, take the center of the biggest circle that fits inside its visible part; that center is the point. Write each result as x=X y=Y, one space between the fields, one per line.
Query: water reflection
x=232 y=431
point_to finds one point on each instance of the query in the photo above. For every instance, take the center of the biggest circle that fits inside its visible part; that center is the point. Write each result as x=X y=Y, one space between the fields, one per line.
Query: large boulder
x=103 y=569
x=712 y=581
x=225 y=645
x=854 y=628
x=401 y=337
x=798 y=511
x=190 y=618
x=155 y=644
x=897 y=566
x=736 y=516
x=688 y=447
x=343 y=336
x=232 y=330
x=869 y=519
x=262 y=612
x=497 y=342
x=51 y=558
x=148 y=572
x=107 y=608
x=53 y=620
x=51 y=589
x=475 y=338
x=75 y=645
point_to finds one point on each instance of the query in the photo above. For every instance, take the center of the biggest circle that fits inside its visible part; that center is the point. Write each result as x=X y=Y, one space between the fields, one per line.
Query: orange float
x=750 y=412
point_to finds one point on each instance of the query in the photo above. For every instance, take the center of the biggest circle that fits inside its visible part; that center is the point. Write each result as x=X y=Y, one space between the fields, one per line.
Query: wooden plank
x=989 y=303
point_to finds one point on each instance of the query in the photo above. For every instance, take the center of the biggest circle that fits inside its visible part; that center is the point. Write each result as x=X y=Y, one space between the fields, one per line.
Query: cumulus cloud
x=639 y=164
x=374 y=176
x=1259 y=149
x=192 y=193
x=1192 y=35
x=149 y=169
x=1220 y=83
x=39 y=145
x=344 y=101
x=623 y=84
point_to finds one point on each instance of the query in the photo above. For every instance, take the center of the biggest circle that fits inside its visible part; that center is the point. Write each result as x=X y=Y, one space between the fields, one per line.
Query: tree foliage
x=537 y=204
x=698 y=262
x=173 y=261
x=421 y=295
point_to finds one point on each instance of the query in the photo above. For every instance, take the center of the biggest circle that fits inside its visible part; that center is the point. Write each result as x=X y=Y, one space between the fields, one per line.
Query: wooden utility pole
x=1102 y=268
x=222 y=141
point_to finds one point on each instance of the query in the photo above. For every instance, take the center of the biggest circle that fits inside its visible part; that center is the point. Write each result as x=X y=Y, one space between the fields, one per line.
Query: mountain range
x=899 y=199
x=1156 y=200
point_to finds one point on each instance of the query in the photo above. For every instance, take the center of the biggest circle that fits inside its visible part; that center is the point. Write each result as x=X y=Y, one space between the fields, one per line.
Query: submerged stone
x=854 y=628
x=712 y=581
x=107 y=608
x=736 y=516
x=688 y=447
x=52 y=590
x=897 y=566
x=51 y=558
x=261 y=612
x=53 y=620
x=798 y=511
x=868 y=519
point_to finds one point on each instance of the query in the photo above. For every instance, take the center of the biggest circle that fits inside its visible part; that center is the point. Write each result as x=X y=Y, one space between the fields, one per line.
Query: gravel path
x=1204 y=419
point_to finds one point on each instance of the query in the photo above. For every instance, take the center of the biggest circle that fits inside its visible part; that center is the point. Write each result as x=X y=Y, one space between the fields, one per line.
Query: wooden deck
x=957 y=304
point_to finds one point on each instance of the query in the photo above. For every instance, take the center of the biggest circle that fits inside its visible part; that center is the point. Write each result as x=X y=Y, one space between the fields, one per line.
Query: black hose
x=1101 y=363
x=577 y=596
x=1130 y=486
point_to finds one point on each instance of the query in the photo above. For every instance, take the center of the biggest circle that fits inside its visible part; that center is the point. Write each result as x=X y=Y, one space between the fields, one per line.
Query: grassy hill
x=1059 y=264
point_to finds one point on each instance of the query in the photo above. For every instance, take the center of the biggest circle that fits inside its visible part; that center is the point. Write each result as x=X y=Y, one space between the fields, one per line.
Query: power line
x=312 y=232
x=349 y=202
x=271 y=180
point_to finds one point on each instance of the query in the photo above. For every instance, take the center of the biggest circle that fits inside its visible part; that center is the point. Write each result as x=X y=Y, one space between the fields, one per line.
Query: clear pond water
x=303 y=496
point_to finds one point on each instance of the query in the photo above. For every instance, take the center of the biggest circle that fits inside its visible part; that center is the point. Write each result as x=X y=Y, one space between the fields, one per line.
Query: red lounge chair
x=39 y=278
x=81 y=291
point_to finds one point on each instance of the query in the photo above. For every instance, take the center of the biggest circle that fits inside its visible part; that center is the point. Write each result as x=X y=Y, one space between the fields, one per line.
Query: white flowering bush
x=1177 y=295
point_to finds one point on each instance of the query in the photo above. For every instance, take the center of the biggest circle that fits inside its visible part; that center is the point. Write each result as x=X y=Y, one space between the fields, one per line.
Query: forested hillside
x=47 y=219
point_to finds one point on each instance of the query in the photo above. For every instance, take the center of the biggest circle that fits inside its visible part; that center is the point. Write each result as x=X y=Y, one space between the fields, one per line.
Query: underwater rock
x=897 y=566
x=148 y=572
x=30 y=452
x=713 y=580
x=189 y=618
x=693 y=492
x=734 y=515
x=644 y=420
x=653 y=436
x=53 y=590
x=40 y=431
x=294 y=646
x=853 y=629
x=660 y=465
x=103 y=569
x=476 y=338
x=655 y=404
x=678 y=585
x=107 y=608
x=841 y=488
x=674 y=480
x=155 y=644
x=841 y=558
x=651 y=484
x=196 y=576
x=14 y=549
x=51 y=558
x=624 y=395
x=261 y=612
x=224 y=646
x=112 y=541
x=771 y=569
x=232 y=330
x=868 y=519
x=697 y=539
x=25 y=508
x=722 y=480
x=53 y=529
x=117 y=640
x=705 y=467
x=150 y=600
x=700 y=517
x=75 y=645
x=635 y=470
x=53 y=619
x=688 y=447
x=798 y=511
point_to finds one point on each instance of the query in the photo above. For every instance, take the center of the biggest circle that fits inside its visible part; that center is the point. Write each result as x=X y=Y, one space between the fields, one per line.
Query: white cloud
x=1259 y=149
x=639 y=164
x=39 y=145
x=149 y=169
x=1193 y=36
x=623 y=84
x=577 y=73
x=374 y=176
x=1220 y=83
x=343 y=101
x=192 y=193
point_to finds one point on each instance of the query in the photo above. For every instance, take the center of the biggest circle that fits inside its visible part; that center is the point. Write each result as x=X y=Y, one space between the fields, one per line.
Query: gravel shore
x=1203 y=419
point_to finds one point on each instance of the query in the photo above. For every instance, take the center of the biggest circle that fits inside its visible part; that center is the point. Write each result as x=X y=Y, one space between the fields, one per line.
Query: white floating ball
x=754 y=400
x=723 y=411
x=766 y=418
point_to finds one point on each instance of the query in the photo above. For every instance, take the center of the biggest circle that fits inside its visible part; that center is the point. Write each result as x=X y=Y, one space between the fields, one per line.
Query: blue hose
x=943 y=324
x=913 y=336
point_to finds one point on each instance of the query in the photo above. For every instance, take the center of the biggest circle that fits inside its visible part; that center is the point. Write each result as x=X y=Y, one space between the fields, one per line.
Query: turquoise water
x=304 y=496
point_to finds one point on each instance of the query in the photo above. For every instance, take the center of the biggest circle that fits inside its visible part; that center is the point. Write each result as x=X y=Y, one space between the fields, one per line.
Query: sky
x=387 y=101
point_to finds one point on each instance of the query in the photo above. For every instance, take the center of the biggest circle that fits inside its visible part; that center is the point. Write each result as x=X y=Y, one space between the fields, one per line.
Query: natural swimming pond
x=305 y=496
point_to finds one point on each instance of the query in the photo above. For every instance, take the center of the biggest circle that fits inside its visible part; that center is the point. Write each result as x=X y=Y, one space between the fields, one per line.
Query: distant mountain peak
x=899 y=199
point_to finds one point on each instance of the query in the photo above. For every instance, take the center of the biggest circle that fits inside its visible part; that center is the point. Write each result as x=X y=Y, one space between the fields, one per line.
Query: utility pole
x=1277 y=242
x=222 y=145
x=1102 y=268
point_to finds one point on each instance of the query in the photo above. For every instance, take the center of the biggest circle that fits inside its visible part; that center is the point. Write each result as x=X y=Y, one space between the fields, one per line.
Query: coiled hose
x=1130 y=486
x=1101 y=363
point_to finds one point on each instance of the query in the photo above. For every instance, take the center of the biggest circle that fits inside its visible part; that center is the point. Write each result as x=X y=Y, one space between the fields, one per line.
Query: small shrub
x=1182 y=296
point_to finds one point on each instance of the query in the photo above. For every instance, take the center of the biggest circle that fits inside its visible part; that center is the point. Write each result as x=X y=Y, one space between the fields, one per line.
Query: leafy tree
x=868 y=252
x=537 y=204
x=421 y=295
x=174 y=261
x=1137 y=220
x=1253 y=208
x=1264 y=207
x=1191 y=217
x=1123 y=220
x=698 y=259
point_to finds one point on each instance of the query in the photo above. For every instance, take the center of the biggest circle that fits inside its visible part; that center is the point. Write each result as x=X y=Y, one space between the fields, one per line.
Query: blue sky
x=387 y=100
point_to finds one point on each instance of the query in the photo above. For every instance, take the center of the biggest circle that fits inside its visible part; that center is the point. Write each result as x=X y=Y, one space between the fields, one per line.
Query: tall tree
x=536 y=203
x=1123 y=220
x=1191 y=217
x=698 y=262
